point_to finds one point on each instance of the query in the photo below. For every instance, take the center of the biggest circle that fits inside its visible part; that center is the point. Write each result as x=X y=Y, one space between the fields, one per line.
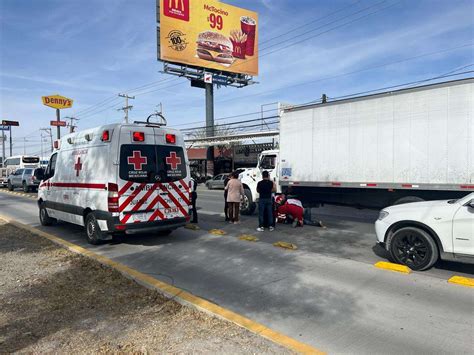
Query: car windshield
x=152 y=163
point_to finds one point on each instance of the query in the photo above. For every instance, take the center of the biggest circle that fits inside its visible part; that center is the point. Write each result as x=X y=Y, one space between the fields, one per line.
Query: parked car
x=28 y=179
x=217 y=182
x=420 y=233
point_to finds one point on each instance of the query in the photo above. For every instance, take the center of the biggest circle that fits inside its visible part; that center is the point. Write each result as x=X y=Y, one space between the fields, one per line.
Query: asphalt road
x=327 y=293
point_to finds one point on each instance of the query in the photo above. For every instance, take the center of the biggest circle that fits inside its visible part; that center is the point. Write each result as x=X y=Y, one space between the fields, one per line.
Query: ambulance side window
x=51 y=167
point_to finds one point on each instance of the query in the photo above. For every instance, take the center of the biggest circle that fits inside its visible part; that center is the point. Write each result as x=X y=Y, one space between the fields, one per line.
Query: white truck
x=375 y=151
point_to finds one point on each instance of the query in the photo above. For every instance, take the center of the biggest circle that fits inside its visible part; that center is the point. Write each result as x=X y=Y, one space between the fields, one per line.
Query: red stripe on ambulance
x=175 y=200
x=131 y=197
x=140 y=203
x=180 y=193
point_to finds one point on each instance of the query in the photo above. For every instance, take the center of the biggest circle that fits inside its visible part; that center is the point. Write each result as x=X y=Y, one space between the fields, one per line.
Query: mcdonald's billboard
x=209 y=34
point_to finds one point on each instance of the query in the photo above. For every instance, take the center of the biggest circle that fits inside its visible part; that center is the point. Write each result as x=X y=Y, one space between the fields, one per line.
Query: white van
x=117 y=179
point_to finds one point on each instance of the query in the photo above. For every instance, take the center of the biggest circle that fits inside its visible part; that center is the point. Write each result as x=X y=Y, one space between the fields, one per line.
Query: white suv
x=418 y=234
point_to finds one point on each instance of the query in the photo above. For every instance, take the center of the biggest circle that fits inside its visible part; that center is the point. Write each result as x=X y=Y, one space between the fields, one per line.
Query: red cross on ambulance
x=173 y=160
x=78 y=166
x=137 y=160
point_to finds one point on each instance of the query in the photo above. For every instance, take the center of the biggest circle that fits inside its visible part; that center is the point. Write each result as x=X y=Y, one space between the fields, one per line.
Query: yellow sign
x=57 y=101
x=209 y=34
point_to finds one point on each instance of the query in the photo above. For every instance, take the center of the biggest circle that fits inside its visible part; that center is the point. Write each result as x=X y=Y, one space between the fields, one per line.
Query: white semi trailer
x=374 y=151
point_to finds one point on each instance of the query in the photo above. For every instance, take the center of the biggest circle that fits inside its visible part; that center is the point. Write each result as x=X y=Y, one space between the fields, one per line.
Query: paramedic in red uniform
x=293 y=209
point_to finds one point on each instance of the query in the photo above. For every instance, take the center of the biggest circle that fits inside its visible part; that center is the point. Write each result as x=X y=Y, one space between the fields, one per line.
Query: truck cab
x=267 y=160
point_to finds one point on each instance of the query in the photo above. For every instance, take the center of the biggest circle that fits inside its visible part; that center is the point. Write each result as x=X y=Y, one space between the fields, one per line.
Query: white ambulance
x=118 y=179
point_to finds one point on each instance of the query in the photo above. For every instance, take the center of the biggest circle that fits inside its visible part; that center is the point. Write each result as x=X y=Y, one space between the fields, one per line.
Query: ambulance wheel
x=26 y=188
x=45 y=219
x=93 y=233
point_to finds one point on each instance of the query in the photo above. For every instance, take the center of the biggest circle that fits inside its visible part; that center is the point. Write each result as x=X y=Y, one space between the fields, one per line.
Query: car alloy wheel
x=413 y=247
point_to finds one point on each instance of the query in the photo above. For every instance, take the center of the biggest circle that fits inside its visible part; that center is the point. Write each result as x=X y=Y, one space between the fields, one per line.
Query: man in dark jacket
x=265 y=188
x=193 y=188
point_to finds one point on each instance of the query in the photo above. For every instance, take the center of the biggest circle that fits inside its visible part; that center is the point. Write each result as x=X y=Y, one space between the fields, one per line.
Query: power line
x=229 y=124
x=352 y=72
x=228 y=117
x=392 y=87
x=309 y=23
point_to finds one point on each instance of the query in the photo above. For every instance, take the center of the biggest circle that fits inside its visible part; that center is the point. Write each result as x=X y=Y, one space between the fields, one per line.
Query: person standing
x=265 y=188
x=226 y=204
x=235 y=191
x=193 y=188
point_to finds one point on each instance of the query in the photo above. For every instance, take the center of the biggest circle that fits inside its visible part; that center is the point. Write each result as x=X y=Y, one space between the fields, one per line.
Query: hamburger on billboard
x=209 y=34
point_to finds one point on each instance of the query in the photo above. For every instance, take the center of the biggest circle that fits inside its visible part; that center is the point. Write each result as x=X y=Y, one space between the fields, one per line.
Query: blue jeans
x=265 y=210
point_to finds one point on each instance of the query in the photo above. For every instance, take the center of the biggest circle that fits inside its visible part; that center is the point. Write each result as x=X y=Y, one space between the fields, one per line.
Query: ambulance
x=118 y=179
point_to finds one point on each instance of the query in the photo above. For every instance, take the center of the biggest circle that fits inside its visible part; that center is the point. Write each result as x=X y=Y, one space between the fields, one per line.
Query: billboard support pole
x=209 y=87
x=209 y=110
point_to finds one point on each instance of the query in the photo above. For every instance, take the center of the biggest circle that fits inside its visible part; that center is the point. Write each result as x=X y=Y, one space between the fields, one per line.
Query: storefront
x=225 y=159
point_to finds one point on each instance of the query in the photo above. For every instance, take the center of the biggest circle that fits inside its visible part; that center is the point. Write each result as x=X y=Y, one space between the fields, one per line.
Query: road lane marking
x=463 y=281
x=248 y=237
x=393 y=267
x=18 y=194
x=193 y=227
x=218 y=232
x=285 y=245
x=177 y=294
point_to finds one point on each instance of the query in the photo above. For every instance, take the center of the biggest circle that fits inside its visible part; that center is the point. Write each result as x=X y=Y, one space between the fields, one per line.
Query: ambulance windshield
x=152 y=163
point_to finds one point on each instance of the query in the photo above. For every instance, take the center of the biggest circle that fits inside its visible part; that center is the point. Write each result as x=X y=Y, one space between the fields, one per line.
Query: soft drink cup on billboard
x=249 y=27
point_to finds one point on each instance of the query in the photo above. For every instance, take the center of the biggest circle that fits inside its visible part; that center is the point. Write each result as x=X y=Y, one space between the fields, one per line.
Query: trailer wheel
x=408 y=199
x=247 y=207
x=413 y=247
x=45 y=219
x=93 y=232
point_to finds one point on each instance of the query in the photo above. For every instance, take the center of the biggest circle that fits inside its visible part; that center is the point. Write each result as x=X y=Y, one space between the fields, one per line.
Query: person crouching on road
x=235 y=191
x=226 y=204
x=292 y=209
x=265 y=188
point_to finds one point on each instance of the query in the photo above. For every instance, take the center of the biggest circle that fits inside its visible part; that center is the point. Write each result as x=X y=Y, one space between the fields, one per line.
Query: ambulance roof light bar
x=155 y=124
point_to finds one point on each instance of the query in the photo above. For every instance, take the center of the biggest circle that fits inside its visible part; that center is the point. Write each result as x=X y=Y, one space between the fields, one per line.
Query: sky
x=91 y=50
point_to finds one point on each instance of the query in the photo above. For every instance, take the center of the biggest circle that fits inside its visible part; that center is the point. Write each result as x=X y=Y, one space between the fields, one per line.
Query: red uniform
x=292 y=208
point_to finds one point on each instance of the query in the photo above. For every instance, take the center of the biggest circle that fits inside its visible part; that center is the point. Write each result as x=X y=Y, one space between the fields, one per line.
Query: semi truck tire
x=247 y=207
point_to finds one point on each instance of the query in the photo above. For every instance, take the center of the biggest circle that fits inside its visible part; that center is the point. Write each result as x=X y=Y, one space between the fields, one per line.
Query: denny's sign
x=57 y=101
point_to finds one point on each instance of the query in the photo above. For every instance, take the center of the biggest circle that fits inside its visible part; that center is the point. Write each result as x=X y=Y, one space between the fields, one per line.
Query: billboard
x=57 y=101
x=209 y=34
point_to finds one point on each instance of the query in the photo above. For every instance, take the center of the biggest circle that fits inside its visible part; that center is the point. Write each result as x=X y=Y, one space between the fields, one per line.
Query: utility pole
x=126 y=107
x=71 y=124
x=209 y=87
x=50 y=133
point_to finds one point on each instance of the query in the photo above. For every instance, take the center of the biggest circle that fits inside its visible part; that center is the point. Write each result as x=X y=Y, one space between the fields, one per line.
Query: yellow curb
x=193 y=227
x=248 y=237
x=463 y=281
x=285 y=245
x=217 y=232
x=393 y=267
x=178 y=294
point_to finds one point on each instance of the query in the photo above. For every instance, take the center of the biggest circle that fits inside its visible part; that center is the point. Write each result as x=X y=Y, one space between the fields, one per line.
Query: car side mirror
x=471 y=204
